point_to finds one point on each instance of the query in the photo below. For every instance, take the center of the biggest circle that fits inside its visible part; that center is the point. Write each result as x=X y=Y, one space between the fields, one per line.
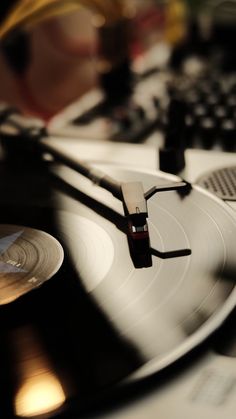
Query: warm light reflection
x=40 y=392
x=39 y=395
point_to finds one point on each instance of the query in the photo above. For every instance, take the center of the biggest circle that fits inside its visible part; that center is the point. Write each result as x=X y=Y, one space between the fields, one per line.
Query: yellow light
x=39 y=394
x=98 y=20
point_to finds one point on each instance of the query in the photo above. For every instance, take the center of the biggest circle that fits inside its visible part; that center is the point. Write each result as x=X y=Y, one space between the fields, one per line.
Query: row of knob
x=211 y=114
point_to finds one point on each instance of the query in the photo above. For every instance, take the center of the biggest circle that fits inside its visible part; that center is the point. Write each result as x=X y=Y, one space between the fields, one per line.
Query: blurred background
x=47 y=66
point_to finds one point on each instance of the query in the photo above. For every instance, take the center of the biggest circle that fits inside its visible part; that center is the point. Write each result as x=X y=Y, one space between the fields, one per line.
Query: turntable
x=84 y=331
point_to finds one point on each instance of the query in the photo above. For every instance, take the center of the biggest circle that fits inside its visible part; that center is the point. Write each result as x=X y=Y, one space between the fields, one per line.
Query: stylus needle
x=136 y=211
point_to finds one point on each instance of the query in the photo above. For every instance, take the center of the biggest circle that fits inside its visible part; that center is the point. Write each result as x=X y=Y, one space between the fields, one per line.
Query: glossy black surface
x=99 y=321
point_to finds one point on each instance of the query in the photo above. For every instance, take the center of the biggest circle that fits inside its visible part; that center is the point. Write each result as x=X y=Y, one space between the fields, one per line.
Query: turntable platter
x=104 y=322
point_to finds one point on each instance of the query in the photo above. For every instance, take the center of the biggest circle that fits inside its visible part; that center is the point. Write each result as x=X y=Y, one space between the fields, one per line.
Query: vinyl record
x=99 y=322
x=28 y=258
